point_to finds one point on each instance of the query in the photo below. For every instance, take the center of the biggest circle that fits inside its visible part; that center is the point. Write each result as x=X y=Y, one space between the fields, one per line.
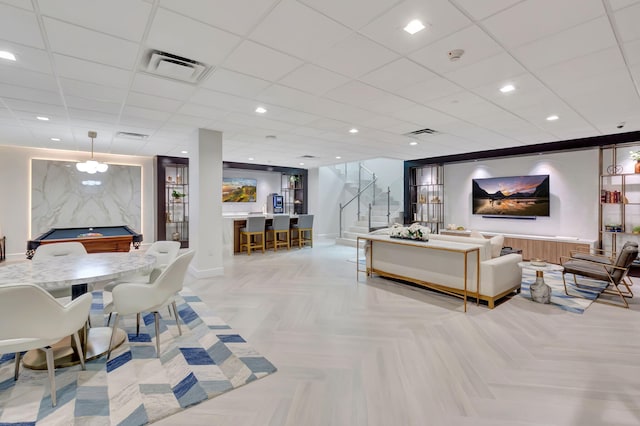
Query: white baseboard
x=206 y=273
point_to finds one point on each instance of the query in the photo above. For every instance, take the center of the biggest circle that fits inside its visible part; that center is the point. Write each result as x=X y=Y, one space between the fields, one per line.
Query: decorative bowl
x=538 y=262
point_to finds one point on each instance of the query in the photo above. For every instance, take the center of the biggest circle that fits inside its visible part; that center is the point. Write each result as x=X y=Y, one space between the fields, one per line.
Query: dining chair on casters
x=44 y=323
x=134 y=298
x=249 y=233
x=279 y=228
x=302 y=232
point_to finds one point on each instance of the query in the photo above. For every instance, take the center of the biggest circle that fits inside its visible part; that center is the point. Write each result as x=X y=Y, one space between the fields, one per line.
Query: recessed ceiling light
x=552 y=118
x=302 y=164
x=7 y=55
x=508 y=88
x=413 y=143
x=338 y=157
x=55 y=139
x=414 y=26
x=250 y=158
x=260 y=110
x=42 y=118
x=354 y=130
x=184 y=152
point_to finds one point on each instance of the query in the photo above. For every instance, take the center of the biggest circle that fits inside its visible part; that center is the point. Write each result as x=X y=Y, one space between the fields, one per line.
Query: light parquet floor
x=373 y=352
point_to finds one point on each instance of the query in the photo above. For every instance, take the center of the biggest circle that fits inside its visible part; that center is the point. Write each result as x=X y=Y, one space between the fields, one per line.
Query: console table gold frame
x=435 y=286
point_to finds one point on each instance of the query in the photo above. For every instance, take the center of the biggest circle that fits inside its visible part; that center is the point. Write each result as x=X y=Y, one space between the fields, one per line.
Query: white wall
x=573 y=184
x=268 y=183
x=15 y=191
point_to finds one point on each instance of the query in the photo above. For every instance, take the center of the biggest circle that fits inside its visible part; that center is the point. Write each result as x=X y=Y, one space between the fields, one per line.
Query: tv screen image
x=239 y=190
x=511 y=196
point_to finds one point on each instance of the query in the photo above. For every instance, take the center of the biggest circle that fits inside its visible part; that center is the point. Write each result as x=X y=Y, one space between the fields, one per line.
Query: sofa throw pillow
x=496 y=245
x=476 y=234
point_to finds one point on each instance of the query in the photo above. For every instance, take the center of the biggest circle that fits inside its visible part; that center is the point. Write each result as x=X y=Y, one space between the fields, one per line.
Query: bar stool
x=255 y=227
x=299 y=230
x=279 y=227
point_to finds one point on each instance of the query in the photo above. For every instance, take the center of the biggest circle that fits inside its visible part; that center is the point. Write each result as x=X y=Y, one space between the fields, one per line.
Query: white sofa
x=439 y=264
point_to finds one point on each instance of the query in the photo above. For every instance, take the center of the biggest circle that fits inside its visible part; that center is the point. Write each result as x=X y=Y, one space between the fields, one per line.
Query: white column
x=205 y=198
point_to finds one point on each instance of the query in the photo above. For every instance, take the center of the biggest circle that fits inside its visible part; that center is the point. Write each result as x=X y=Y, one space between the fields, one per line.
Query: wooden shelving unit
x=427 y=196
x=172 y=175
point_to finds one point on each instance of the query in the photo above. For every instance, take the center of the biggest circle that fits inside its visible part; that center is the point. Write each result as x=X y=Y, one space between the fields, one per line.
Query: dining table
x=76 y=273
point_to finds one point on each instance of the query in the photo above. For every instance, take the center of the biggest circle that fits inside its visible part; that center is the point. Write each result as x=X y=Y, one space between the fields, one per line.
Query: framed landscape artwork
x=511 y=196
x=239 y=190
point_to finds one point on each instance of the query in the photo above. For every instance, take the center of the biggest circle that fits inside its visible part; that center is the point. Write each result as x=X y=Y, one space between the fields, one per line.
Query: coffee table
x=540 y=291
x=76 y=272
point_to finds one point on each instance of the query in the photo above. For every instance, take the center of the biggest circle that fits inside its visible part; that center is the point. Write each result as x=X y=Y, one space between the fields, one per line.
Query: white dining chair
x=134 y=298
x=164 y=252
x=71 y=248
x=37 y=322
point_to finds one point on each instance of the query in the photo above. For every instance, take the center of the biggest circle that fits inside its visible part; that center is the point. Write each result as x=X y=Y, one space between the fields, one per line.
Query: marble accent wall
x=63 y=197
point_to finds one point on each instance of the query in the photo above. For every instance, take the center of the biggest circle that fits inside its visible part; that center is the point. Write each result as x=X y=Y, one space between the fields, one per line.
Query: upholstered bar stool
x=279 y=228
x=302 y=232
x=248 y=234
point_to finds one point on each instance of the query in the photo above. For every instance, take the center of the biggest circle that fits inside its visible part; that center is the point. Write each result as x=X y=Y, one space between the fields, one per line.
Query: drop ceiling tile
x=134 y=124
x=627 y=22
x=286 y=97
x=429 y=90
x=151 y=85
x=197 y=41
x=146 y=113
x=577 y=41
x=313 y=79
x=298 y=30
x=528 y=91
x=262 y=62
x=235 y=83
x=632 y=52
x=620 y=4
x=202 y=111
x=481 y=9
x=397 y=75
x=33 y=109
x=93 y=105
x=355 y=56
x=239 y=17
x=182 y=120
x=579 y=75
x=223 y=101
x=26 y=58
x=440 y=17
x=494 y=69
x=540 y=18
x=79 y=42
x=290 y=116
x=25 y=78
x=20 y=26
x=476 y=44
x=121 y=18
x=95 y=116
x=424 y=118
x=8 y=91
x=382 y=122
x=91 y=72
x=257 y=122
x=152 y=102
x=353 y=13
x=94 y=91
x=24 y=4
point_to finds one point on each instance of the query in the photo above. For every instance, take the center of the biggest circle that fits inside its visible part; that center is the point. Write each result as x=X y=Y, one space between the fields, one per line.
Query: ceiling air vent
x=308 y=156
x=131 y=135
x=175 y=67
x=422 y=132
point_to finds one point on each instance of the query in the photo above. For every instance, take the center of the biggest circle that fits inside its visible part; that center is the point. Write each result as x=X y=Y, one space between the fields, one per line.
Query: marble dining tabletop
x=56 y=273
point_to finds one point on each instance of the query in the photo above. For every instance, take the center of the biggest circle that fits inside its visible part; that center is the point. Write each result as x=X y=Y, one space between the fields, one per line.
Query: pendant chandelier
x=92 y=166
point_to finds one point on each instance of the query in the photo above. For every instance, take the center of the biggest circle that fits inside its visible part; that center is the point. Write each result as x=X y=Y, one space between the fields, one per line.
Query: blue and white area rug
x=579 y=299
x=135 y=387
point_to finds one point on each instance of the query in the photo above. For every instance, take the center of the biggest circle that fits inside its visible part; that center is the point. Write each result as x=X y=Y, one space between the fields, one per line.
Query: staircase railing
x=357 y=196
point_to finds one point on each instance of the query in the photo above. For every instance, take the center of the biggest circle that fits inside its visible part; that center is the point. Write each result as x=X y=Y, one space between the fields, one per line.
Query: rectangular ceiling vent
x=422 y=132
x=175 y=67
x=131 y=135
x=308 y=156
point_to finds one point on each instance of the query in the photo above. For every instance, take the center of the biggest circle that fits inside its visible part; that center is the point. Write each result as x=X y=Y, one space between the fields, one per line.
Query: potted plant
x=177 y=196
x=636 y=230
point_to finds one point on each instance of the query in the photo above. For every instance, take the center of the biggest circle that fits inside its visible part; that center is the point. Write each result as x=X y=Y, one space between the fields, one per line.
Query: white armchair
x=59 y=249
x=37 y=322
x=133 y=298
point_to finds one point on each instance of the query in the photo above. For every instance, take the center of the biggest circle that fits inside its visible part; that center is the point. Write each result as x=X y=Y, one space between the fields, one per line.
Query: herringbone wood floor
x=373 y=352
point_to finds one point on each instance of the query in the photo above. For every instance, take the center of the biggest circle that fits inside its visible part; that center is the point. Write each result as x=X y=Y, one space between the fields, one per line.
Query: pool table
x=112 y=238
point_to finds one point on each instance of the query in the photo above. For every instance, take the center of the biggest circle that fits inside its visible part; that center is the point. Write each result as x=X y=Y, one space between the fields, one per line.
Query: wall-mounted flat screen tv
x=239 y=190
x=511 y=196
